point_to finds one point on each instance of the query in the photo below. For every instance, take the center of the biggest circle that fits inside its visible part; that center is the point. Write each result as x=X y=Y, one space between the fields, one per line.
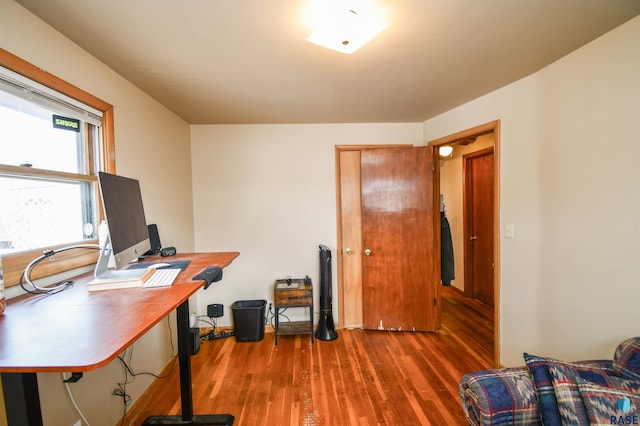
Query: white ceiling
x=247 y=61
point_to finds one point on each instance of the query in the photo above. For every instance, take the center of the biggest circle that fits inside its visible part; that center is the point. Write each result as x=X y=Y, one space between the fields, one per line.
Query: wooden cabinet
x=293 y=293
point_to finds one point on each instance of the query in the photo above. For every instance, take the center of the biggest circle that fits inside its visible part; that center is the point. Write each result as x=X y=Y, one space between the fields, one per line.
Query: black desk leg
x=22 y=399
x=184 y=361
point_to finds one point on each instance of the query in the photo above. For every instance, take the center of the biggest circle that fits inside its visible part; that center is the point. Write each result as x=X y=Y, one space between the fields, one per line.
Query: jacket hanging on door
x=447 y=270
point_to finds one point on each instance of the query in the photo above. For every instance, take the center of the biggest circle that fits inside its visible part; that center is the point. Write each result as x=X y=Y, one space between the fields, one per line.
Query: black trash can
x=248 y=320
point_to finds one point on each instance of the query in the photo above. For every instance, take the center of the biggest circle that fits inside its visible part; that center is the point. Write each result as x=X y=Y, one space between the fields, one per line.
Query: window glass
x=27 y=137
x=39 y=213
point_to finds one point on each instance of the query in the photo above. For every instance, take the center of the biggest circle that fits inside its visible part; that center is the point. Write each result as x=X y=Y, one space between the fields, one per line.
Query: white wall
x=269 y=191
x=152 y=145
x=569 y=147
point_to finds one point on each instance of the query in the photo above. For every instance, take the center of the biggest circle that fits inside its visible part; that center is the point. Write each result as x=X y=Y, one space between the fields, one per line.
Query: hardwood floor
x=362 y=378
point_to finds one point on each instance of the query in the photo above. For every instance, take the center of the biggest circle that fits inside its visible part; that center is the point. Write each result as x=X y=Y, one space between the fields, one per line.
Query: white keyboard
x=163 y=277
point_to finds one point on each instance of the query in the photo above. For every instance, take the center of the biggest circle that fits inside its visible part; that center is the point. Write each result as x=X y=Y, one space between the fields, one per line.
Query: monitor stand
x=102 y=271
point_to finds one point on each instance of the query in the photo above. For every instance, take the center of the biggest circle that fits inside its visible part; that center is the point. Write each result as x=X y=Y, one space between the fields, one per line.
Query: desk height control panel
x=293 y=293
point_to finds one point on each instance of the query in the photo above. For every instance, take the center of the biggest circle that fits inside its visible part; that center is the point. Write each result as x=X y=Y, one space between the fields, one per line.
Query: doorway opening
x=469 y=187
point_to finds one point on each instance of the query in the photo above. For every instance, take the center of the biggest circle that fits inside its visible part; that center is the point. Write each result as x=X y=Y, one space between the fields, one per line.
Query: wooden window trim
x=13 y=265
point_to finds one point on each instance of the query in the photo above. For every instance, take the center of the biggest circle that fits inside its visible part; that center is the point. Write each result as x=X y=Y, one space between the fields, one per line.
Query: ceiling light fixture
x=445 y=150
x=344 y=27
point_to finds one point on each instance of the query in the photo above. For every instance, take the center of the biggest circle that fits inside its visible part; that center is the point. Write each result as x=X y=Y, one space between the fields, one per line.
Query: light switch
x=509 y=231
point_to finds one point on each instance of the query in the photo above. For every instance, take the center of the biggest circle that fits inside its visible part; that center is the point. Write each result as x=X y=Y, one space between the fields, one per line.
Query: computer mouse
x=158 y=265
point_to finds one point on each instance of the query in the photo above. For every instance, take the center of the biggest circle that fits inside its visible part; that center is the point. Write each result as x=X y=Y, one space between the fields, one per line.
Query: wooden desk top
x=77 y=330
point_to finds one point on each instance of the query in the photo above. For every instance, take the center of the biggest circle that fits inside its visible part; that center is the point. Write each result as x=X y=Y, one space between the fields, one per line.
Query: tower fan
x=326 y=329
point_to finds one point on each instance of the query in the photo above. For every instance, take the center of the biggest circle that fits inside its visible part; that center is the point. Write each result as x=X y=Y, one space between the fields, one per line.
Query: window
x=54 y=138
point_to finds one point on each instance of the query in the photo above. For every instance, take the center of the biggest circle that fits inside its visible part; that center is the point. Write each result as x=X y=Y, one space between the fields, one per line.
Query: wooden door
x=350 y=238
x=399 y=240
x=479 y=197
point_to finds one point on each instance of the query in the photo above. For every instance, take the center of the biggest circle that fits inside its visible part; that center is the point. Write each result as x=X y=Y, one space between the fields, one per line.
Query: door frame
x=490 y=127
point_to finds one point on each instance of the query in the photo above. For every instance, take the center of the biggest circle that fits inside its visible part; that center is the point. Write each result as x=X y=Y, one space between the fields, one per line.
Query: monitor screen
x=128 y=232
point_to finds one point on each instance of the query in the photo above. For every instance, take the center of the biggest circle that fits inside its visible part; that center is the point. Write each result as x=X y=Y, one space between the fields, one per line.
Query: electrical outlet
x=215 y=310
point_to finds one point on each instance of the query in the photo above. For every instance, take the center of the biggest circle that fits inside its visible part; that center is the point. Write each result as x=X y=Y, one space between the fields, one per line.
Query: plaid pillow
x=539 y=369
x=614 y=403
x=570 y=405
x=626 y=359
x=548 y=400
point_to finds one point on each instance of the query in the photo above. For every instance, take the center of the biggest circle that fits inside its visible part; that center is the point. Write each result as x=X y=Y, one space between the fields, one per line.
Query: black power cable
x=130 y=375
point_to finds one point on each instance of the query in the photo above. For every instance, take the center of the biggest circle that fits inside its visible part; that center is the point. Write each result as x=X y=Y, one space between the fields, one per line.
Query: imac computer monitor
x=128 y=236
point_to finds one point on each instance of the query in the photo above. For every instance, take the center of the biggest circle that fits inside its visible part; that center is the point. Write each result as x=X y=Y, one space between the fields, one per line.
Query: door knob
x=367 y=252
x=473 y=238
x=348 y=251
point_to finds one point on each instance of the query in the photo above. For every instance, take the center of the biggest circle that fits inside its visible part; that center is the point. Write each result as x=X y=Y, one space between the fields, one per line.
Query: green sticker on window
x=66 y=123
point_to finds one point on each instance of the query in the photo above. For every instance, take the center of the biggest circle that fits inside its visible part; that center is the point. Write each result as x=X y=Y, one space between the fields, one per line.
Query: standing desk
x=78 y=331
